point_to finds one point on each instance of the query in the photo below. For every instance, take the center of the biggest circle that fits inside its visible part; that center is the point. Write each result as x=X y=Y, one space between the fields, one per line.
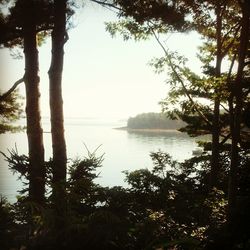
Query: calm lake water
x=122 y=150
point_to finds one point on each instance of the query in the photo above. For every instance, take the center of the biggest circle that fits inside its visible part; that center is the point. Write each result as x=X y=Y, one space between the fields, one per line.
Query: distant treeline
x=153 y=121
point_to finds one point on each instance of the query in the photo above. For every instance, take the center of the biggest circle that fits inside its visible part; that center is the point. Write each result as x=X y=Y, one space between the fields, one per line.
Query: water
x=122 y=150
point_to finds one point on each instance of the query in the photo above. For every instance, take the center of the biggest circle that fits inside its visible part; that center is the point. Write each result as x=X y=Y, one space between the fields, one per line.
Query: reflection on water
x=124 y=150
x=171 y=141
x=168 y=136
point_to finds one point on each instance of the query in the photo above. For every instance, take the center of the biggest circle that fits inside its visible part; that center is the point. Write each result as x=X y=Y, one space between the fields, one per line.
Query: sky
x=103 y=76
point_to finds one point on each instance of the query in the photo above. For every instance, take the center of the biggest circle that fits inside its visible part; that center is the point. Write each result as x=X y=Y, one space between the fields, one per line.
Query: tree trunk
x=215 y=158
x=34 y=129
x=236 y=114
x=56 y=107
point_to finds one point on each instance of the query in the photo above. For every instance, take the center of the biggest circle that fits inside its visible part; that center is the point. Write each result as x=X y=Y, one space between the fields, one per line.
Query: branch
x=226 y=109
x=7 y=93
x=231 y=68
x=16 y=34
x=225 y=139
x=106 y=4
x=180 y=80
x=227 y=48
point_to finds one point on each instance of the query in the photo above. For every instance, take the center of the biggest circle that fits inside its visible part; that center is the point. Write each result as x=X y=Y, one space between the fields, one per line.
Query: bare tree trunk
x=56 y=106
x=34 y=129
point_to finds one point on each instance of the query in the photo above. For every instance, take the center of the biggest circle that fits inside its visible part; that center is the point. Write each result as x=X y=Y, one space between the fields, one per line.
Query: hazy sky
x=103 y=76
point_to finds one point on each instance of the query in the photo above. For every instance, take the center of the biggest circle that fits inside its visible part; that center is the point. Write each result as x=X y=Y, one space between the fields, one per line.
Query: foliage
x=10 y=111
x=7 y=224
x=171 y=206
x=80 y=185
x=129 y=29
x=167 y=207
x=14 y=20
x=164 y=12
x=153 y=121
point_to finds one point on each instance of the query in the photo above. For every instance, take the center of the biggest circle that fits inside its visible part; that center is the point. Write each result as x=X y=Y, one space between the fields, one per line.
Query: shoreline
x=147 y=130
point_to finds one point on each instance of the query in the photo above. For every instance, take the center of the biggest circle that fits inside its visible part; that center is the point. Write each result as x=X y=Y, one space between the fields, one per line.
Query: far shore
x=156 y=130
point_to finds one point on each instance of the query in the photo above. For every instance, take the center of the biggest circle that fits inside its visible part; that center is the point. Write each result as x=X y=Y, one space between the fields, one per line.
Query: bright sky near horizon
x=103 y=76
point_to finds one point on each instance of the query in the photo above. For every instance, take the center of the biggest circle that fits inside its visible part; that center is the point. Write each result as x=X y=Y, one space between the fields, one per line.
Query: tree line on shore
x=153 y=121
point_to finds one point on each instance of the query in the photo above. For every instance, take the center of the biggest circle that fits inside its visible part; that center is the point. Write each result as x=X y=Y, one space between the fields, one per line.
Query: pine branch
x=106 y=4
x=15 y=85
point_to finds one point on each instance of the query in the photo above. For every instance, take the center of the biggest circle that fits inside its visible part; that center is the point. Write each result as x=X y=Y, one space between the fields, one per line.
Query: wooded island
x=152 y=121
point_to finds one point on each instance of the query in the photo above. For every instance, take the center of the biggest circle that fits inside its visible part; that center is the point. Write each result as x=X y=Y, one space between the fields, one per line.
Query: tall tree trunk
x=236 y=114
x=34 y=129
x=215 y=158
x=56 y=106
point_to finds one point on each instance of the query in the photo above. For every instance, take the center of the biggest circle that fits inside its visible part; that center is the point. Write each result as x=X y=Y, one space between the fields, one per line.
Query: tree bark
x=56 y=106
x=34 y=128
x=235 y=114
x=215 y=157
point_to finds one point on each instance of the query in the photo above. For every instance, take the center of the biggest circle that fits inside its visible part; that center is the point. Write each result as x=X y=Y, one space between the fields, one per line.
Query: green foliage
x=80 y=186
x=7 y=224
x=10 y=111
x=153 y=121
x=164 y=12
x=18 y=15
x=191 y=97
x=169 y=206
x=19 y=165
x=129 y=29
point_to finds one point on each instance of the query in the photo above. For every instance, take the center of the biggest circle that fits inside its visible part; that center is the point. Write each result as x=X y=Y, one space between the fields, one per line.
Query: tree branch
x=180 y=80
x=227 y=48
x=225 y=108
x=7 y=93
x=227 y=137
x=106 y=4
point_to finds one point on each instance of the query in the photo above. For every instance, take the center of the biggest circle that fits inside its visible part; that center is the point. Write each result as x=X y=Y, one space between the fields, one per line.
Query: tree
x=34 y=129
x=24 y=23
x=220 y=23
x=20 y=27
x=59 y=37
x=236 y=112
x=217 y=23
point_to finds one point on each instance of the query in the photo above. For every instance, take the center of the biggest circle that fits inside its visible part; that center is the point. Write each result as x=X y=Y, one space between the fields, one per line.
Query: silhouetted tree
x=237 y=97
x=59 y=36
x=220 y=23
x=20 y=27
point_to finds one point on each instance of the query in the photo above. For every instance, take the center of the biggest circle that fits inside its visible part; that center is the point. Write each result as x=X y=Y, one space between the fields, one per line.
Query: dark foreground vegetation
x=169 y=207
x=203 y=203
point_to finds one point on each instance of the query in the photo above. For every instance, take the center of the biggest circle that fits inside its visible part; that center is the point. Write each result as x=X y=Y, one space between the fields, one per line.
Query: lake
x=123 y=150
